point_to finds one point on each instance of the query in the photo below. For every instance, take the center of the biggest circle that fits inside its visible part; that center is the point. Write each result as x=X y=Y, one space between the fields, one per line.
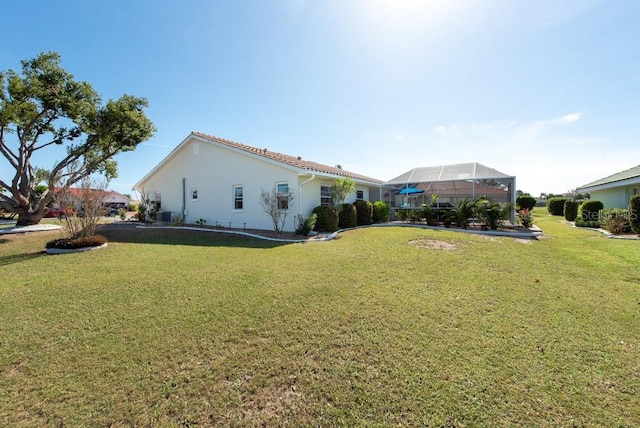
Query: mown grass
x=194 y=329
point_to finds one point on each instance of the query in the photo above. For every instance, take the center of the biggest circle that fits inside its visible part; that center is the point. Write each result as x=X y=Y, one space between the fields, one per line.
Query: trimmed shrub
x=589 y=210
x=364 y=211
x=327 y=218
x=555 y=205
x=347 y=216
x=634 y=213
x=570 y=210
x=381 y=212
x=75 y=243
x=615 y=220
x=525 y=202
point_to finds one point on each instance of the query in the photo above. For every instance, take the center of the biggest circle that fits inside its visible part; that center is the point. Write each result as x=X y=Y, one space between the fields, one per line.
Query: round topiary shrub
x=381 y=212
x=590 y=209
x=347 y=216
x=364 y=210
x=525 y=202
x=570 y=210
x=634 y=213
x=555 y=205
x=327 y=219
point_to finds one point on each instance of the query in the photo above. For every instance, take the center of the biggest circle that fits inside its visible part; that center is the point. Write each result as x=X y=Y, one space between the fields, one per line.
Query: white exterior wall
x=214 y=171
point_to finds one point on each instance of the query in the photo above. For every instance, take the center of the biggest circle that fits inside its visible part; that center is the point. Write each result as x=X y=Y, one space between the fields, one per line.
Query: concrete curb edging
x=251 y=235
x=57 y=251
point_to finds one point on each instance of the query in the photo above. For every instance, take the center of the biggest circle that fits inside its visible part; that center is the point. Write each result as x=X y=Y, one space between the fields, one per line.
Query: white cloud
x=569 y=118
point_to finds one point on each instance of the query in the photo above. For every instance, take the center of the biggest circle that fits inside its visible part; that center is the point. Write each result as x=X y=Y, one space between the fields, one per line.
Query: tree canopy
x=43 y=106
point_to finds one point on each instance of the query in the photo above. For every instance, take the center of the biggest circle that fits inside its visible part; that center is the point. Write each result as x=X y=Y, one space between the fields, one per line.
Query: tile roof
x=293 y=161
x=619 y=176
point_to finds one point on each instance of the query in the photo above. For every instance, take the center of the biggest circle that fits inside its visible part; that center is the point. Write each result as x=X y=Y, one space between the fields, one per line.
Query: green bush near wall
x=381 y=212
x=327 y=219
x=347 y=217
x=634 y=213
x=590 y=209
x=364 y=211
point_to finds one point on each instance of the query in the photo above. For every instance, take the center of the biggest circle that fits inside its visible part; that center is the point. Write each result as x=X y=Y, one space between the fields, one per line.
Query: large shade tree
x=44 y=107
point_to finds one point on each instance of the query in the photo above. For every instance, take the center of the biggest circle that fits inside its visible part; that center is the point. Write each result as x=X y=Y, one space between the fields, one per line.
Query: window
x=359 y=195
x=196 y=149
x=282 y=190
x=238 y=197
x=158 y=200
x=325 y=196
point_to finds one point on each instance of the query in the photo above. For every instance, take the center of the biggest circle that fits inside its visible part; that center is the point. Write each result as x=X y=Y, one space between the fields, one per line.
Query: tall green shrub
x=327 y=218
x=381 y=212
x=634 y=213
x=570 y=210
x=555 y=205
x=347 y=217
x=525 y=202
x=589 y=210
x=364 y=211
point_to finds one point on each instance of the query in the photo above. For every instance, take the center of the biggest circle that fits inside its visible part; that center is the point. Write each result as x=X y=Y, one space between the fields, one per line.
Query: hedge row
x=360 y=213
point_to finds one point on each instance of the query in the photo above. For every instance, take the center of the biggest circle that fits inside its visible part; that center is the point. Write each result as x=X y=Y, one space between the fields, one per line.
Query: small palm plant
x=491 y=213
x=463 y=211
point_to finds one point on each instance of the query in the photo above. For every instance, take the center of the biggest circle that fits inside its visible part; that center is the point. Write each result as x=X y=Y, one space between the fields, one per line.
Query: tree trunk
x=26 y=218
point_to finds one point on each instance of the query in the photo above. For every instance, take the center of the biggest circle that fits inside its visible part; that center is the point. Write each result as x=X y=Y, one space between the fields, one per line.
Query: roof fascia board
x=171 y=154
x=620 y=183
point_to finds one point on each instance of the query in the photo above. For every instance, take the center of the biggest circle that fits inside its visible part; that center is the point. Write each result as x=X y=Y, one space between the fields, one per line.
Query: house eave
x=611 y=185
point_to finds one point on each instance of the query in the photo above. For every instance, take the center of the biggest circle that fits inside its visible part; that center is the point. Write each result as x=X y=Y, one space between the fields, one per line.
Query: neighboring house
x=615 y=190
x=220 y=181
x=74 y=195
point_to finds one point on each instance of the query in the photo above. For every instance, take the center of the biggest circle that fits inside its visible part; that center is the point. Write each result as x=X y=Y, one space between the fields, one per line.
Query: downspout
x=184 y=199
x=313 y=177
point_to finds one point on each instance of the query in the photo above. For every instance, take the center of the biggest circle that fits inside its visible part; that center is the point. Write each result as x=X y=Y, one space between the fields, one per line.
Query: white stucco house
x=615 y=190
x=220 y=181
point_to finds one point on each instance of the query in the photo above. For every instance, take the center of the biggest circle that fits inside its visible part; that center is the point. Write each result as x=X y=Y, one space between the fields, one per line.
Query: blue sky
x=548 y=91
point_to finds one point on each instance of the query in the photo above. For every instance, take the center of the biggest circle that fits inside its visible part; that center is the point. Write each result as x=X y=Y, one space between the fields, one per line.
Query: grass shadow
x=130 y=233
x=18 y=258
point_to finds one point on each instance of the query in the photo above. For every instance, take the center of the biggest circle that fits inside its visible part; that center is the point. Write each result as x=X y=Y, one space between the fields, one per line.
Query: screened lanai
x=449 y=183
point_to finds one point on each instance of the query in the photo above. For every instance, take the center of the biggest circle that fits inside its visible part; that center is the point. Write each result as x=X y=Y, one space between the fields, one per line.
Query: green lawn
x=195 y=329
